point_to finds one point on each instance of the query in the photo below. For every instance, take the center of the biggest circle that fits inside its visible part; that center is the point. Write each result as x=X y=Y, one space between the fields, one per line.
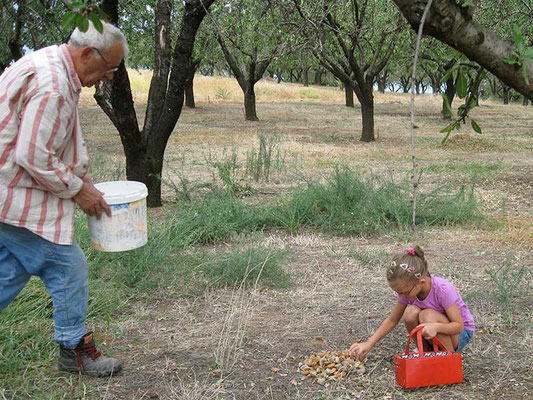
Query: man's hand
x=90 y=200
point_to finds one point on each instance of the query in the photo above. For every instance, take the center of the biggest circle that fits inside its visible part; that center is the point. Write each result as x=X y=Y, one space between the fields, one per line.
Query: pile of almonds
x=331 y=366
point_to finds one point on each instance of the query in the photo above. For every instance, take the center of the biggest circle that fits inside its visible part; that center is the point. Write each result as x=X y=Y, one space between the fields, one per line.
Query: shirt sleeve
x=403 y=300
x=447 y=295
x=43 y=133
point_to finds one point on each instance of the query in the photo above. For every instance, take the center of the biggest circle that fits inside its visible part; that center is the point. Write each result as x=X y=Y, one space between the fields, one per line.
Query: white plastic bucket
x=126 y=229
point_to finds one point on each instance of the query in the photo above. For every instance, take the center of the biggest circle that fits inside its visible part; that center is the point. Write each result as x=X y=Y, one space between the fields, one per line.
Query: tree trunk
x=505 y=93
x=452 y=24
x=318 y=77
x=382 y=83
x=525 y=101
x=367 y=114
x=306 y=76
x=348 y=93
x=405 y=83
x=189 y=88
x=366 y=99
x=249 y=103
x=189 y=95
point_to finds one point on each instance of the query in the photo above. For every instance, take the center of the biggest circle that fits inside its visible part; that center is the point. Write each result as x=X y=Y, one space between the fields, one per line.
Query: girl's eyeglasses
x=109 y=68
x=405 y=294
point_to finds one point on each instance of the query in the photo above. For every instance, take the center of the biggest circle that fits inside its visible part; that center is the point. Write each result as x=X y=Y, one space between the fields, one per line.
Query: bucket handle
x=436 y=342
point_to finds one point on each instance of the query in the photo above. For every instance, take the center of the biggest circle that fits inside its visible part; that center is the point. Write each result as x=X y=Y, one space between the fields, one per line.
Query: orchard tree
x=144 y=148
x=354 y=40
x=250 y=36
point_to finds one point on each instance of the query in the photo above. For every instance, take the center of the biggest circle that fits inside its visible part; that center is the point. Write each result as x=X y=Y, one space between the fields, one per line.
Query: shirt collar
x=70 y=68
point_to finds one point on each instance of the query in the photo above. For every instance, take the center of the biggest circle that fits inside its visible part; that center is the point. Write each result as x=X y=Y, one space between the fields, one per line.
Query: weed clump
x=348 y=203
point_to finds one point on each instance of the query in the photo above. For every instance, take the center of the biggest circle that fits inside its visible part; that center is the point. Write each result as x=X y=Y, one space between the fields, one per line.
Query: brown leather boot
x=86 y=359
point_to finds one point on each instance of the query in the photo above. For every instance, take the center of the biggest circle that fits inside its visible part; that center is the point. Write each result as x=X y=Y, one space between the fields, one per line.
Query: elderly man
x=43 y=175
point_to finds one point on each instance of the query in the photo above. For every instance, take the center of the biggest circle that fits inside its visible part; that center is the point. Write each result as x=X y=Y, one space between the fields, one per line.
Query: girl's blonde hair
x=409 y=265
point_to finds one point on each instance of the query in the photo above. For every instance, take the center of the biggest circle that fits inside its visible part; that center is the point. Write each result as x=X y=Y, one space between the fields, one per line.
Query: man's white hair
x=102 y=41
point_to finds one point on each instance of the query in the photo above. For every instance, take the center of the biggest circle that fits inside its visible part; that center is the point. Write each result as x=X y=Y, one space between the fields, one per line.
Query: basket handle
x=436 y=342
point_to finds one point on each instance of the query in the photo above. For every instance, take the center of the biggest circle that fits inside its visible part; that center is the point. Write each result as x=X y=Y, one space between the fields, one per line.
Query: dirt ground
x=171 y=345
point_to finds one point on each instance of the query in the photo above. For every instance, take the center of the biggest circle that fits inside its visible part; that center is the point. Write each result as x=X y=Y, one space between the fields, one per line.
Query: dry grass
x=339 y=292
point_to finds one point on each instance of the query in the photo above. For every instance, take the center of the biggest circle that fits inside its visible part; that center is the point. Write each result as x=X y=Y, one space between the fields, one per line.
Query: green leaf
x=524 y=71
x=78 y=19
x=446 y=107
x=475 y=126
x=472 y=102
x=68 y=21
x=517 y=37
x=102 y=15
x=96 y=22
x=83 y=25
x=462 y=84
x=528 y=54
x=447 y=75
x=448 y=128
x=76 y=4
x=446 y=137
x=509 y=60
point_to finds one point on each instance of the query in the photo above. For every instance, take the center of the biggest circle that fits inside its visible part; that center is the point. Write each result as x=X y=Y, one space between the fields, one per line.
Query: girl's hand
x=360 y=350
x=429 y=331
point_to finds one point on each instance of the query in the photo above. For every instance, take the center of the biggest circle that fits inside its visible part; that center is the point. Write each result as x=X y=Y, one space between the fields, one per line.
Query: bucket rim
x=121 y=192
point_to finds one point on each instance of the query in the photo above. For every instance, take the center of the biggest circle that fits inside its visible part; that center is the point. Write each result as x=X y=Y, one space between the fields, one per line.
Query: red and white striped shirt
x=42 y=153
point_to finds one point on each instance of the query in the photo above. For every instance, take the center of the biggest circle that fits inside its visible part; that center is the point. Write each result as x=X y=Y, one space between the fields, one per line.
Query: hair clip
x=418 y=275
x=393 y=263
x=410 y=250
x=411 y=269
x=405 y=267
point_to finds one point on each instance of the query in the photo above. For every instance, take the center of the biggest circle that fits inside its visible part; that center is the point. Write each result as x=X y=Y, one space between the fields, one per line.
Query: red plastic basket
x=427 y=368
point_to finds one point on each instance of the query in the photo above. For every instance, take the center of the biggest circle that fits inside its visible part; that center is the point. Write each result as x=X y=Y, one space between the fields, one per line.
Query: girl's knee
x=430 y=315
x=411 y=314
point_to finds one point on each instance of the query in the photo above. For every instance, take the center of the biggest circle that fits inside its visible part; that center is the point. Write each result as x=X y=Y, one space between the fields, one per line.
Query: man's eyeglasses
x=109 y=68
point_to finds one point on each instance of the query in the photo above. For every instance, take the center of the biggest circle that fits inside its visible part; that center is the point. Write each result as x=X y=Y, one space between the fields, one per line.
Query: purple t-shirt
x=441 y=296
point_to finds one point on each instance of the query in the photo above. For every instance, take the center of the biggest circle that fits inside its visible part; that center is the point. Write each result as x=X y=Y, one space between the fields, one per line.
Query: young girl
x=425 y=300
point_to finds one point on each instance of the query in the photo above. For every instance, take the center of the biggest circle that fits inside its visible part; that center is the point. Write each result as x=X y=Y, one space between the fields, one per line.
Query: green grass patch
x=260 y=162
x=309 y=93
x=507 y=283
x=246 y=264
x=348 y=203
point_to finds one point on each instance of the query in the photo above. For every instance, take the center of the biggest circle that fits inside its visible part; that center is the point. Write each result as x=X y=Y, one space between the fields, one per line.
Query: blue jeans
x=464 y=338
x=63 y=270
